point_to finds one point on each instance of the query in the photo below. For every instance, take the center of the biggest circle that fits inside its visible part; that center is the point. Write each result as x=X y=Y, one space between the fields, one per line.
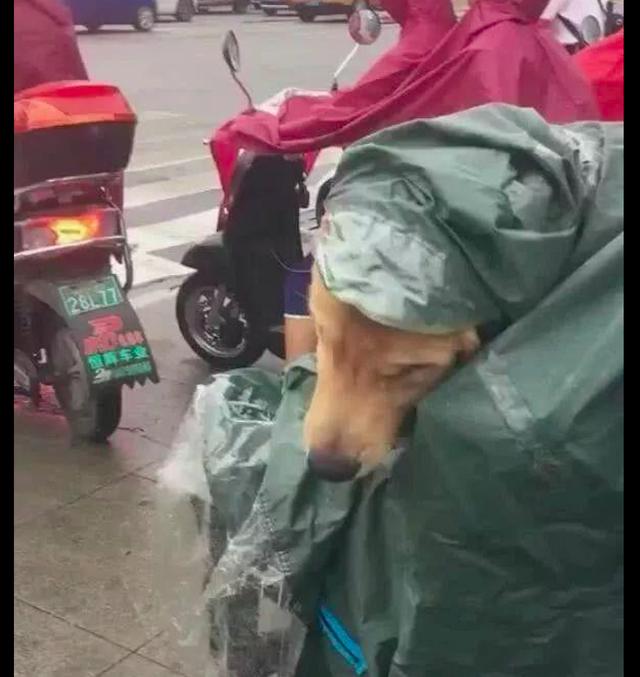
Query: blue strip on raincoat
x=341 y=641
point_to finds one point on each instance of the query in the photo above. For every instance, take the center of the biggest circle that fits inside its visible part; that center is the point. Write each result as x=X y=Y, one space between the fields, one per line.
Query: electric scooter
x=230 y=310
x=74 y=328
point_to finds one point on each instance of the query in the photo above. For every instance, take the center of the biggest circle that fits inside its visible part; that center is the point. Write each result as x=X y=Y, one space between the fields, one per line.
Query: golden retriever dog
x=369 y=378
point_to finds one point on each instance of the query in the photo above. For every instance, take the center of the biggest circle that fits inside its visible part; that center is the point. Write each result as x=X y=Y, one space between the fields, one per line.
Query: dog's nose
x=331 y=466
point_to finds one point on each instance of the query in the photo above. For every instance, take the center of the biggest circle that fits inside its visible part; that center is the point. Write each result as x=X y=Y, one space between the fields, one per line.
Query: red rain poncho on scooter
x=45 y=47
x=603 y=66
x=496 y=53
x=423 y=24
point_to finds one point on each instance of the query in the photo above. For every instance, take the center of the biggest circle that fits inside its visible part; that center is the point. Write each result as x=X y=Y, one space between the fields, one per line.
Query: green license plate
x=88 y=296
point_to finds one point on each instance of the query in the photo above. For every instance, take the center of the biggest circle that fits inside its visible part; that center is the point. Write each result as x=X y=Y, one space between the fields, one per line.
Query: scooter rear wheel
x=92 y=417
x=214 y=326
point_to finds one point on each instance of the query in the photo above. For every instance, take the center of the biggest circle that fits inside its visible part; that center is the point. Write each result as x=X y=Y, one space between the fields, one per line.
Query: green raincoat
x=491 y=545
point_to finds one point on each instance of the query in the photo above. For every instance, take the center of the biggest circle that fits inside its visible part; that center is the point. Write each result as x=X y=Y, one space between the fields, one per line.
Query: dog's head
x=369 y=377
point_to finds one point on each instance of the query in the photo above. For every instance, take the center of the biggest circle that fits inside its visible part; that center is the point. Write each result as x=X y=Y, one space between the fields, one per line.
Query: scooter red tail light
x=68 y=229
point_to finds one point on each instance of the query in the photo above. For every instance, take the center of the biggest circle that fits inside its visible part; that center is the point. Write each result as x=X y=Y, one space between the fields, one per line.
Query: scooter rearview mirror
x=364 y=29
x=231 y=55
x=364 y=26
x=590 y=29
x=231 y=52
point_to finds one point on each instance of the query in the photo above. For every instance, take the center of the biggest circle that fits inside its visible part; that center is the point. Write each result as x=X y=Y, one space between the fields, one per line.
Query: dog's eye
x=400 y=371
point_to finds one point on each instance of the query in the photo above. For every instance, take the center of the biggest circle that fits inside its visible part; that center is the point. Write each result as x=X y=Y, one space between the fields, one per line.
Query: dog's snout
x=331 y=466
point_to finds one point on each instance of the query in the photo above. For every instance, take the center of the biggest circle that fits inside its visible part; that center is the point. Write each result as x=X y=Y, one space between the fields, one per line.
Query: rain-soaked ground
x=84 y=561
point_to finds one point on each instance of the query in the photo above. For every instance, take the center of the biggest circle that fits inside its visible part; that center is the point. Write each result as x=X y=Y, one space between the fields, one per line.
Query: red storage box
x=70 y=129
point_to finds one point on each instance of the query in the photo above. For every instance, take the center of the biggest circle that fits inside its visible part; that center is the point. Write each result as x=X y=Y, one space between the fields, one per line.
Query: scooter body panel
x=211 y=256
x=103 y=324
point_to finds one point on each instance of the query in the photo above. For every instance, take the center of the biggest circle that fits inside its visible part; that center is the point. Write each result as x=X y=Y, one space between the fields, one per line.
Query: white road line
x=149 y=267
x=175 y=187
x=153 y=115
x=172 y=233
x=153 y=295
x=326 y=156
x=166 y=165
x=146 y=240
x=193 y=136
x=171 y=188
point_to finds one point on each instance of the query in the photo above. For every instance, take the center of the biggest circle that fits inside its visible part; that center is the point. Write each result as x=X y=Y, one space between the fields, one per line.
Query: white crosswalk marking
x=169 y=189
x=172 y=193
x=168 y=235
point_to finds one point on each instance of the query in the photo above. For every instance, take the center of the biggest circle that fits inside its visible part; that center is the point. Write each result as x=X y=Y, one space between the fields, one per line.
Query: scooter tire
x=255 y=343
x=108 y=404
x=92 y=416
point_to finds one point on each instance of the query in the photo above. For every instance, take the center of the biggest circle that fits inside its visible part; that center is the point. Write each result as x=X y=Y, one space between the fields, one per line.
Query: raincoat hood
x=485 y=238
x=45 y=44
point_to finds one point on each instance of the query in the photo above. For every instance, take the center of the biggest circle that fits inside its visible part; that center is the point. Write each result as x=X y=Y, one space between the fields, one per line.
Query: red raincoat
x=603 y=66
x=496 y=53
x=423 y=24
x=45 y=47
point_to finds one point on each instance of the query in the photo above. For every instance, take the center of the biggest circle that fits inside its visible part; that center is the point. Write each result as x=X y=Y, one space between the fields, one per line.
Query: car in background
x=308 y=10
x=180 y=10
x=273 y=7
x=237 y=6
x=141 y=14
